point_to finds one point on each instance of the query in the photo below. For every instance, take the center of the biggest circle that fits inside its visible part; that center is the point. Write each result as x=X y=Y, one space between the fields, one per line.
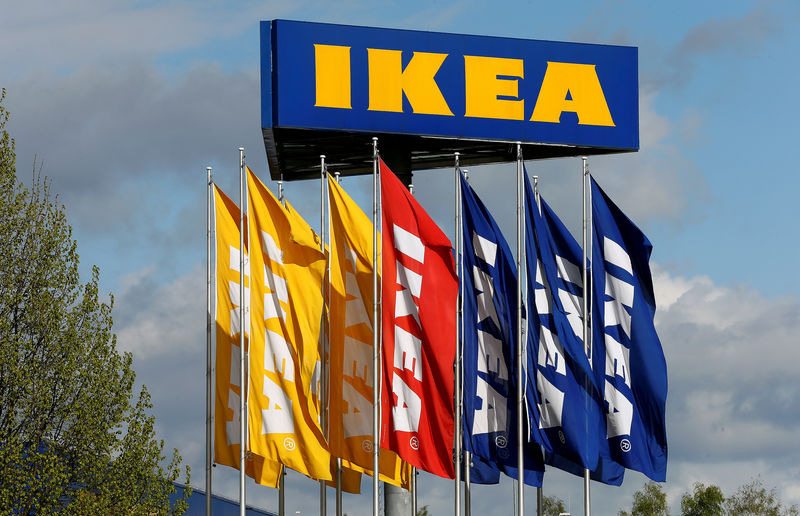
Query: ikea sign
x=384 y=81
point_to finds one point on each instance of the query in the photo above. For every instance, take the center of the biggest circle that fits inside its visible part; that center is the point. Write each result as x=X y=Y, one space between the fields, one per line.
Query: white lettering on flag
x=491 y=417
x=551 y=351
x=270 y=247
x=407 y=352
x=232 y=427
x=278 y=356
x=233 y=290
x=493 y=412
x=570 y=273
x=490 y=355
x=619 y=417
x=551 y=408
x=277 y=417
x=485 y=249
x=357 y=360
x=356 y=357
x=357 y=420
x=408 y=244
x=406 y=413
x=407 y=347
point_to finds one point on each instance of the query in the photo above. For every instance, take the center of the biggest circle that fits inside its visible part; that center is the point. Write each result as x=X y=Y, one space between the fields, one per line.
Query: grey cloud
x=153 y=318
x=747 y=33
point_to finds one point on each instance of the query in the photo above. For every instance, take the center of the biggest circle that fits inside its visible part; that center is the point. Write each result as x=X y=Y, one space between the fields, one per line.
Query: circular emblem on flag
x=561 y=437
x=366 y=445
x=501 y=441
x=414 y=442
x=503 y=453
x=288 y=443
x=625 y=445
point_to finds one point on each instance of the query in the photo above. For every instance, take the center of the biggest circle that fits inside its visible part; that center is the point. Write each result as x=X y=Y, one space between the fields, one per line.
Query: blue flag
x=628 y=359
x=560 y=382
x=489 y=340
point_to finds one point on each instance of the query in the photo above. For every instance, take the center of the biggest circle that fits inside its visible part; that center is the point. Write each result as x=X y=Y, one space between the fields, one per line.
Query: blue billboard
x=335 y=80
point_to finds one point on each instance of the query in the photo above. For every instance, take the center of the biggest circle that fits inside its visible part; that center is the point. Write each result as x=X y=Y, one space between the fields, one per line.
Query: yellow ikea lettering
x=332 y=75
x=580 y=83
x=388 y=81
x=491 y=86
x=483 y=87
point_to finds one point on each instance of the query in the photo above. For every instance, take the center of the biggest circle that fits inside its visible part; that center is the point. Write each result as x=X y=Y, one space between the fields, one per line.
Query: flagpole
x=242 y=370
x=467 y=457
x=539 y=490
x=338 y=459
x=282 y=481
x=457 y=389
x=520 y=408
x=322 y=394
x=586 y=487
x=209 y=186
x=281 y=497
x=413 y=479
x=376 y=377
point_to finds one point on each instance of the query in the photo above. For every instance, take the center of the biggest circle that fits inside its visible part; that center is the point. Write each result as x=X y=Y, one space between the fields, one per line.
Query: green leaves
x=703 y=501
x=71 y=434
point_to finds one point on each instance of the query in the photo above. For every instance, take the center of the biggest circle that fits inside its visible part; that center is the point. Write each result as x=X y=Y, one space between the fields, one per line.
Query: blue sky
x=125 y=104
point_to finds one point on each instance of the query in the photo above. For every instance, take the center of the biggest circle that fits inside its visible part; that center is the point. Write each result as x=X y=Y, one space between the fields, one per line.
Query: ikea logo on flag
x=350 y=79
x=491 y=86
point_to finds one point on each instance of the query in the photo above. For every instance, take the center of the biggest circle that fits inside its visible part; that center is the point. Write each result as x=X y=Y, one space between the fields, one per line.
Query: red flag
x=419 y=332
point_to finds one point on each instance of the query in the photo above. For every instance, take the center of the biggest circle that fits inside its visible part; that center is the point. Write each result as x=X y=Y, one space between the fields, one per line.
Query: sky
x=123 y=104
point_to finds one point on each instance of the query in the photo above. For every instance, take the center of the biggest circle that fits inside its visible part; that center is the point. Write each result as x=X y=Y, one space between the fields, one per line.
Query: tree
x=703 y=501
x=552 y=506
x=650 y=500
x=753 y=499
x=72 y=436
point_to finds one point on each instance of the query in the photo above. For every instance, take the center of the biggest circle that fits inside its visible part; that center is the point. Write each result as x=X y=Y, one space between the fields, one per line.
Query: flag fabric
x=419 y=294
x=490 y=341
x=481 y=471
x=629 y=363
x=287 y=309
x=351 y=341
x=227 y=356
x=562 y=396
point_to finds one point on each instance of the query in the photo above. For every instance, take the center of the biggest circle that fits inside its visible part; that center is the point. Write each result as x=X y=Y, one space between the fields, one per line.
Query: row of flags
x=597 y=405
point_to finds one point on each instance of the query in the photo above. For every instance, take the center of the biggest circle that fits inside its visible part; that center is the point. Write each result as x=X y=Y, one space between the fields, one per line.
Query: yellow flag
x=287 y=308
x=226 y=409
x=351 y=349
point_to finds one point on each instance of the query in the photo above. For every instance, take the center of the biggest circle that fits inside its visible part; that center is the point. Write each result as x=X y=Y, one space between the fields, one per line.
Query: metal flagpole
x=281 y=489
x=520 y=408
x=322 y=394
x=467 y=460
x=413 y=491
x=585 y=172
x=413 y=480
x=376 y=377
x=282 y=480
x=539 y=491
x=338 y=486
x=338 y=459
x=208 y=341
x=242 y=369
x=457 y=389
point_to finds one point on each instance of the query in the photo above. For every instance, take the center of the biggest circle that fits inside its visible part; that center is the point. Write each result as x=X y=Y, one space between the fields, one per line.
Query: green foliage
x=753 y=499
x=703 y=501
x=552 y=506
x=650 y=500
x=72 y=436
x=423 y=511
